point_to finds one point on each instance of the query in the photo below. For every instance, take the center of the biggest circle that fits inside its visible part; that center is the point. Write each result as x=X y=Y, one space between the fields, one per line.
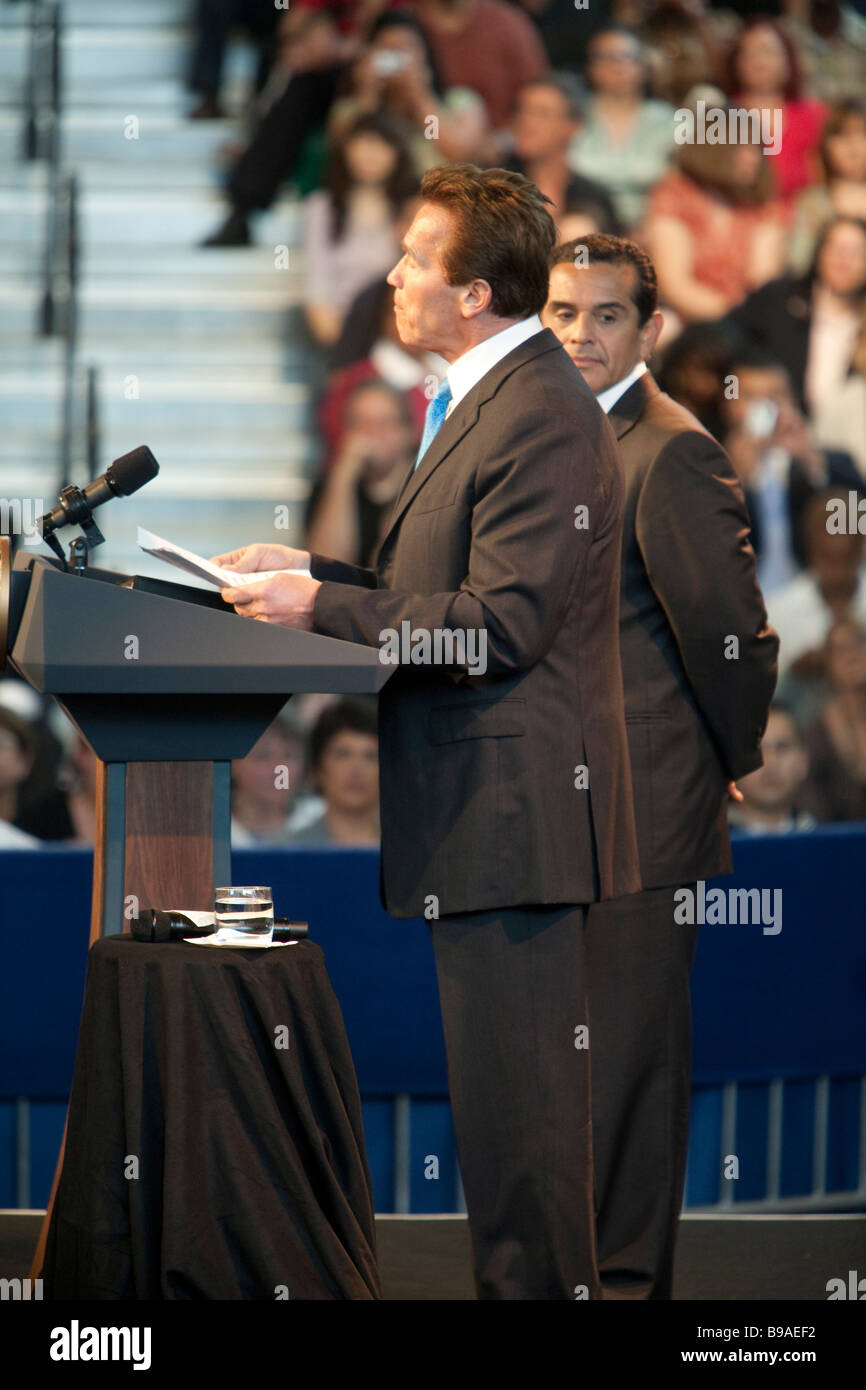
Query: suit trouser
x=638 y=964
x=517 y=987
x=512 y=988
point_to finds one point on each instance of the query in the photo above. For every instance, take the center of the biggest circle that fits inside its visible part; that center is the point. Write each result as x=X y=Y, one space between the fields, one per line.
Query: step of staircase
x=197 y=350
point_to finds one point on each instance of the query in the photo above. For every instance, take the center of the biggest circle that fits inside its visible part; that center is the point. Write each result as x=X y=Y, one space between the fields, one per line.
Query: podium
x=167 y=684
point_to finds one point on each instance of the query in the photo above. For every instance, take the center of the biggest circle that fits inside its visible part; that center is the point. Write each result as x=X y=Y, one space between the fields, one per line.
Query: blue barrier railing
x=772 y=1008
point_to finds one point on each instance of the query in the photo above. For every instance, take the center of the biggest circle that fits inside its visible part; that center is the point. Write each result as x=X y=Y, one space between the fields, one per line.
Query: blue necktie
x=434 y=417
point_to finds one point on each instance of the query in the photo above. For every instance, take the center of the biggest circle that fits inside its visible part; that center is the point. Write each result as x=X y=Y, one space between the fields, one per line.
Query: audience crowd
x=759 y=239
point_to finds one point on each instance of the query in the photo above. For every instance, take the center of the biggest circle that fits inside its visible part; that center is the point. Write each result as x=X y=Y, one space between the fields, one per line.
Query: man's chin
x=593 y=374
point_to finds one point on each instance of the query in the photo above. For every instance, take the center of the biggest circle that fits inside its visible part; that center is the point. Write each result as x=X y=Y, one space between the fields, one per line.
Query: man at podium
x=506 y=798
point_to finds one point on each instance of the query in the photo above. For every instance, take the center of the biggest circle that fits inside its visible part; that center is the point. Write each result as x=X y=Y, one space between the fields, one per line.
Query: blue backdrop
x=788 y=1005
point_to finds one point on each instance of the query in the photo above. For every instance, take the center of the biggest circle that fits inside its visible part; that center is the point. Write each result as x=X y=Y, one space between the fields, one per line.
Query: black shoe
x=208 y=109
x=233 y=232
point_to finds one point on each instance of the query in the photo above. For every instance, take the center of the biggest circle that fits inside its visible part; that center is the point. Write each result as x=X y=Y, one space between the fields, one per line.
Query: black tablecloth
x=252 y=1178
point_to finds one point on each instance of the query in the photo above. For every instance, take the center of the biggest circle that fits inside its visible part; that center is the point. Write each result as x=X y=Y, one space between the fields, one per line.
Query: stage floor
x=427 y=1258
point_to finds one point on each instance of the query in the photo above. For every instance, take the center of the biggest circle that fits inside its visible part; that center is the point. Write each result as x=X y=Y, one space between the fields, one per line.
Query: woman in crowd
x=397 y=73
x=350 y=506
x=714 y=229
x=344 y=766
x=350 y=233
x=627 y=139
x=813 y=324
x=764 y=73
x=842 y=193
x=840 y=417
x=836 y=739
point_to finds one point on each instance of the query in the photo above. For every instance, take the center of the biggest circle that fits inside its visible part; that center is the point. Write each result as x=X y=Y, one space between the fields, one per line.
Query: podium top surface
x=95 y=633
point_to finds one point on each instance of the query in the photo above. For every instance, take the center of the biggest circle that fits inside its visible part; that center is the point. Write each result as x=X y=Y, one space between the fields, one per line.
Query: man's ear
x=649 y=335
x=475 y=298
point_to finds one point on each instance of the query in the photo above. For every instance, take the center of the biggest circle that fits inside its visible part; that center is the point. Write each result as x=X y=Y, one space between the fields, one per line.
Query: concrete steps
x=196 y=349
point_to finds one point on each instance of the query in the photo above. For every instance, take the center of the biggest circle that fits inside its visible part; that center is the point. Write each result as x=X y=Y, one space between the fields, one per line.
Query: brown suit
x=695 y=715
x=511 y=525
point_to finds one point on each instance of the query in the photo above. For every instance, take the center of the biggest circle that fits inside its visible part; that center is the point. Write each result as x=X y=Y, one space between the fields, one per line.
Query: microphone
x=154 y=924
x=123 y=477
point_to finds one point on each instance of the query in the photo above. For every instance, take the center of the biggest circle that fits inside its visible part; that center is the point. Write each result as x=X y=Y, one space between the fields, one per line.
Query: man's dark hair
x=503 y=234
x=615 y=250
x=358 y=716
x=753 y=357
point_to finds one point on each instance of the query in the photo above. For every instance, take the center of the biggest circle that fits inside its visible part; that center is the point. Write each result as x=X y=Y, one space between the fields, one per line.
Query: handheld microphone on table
x=155 y=924
x=75 y=508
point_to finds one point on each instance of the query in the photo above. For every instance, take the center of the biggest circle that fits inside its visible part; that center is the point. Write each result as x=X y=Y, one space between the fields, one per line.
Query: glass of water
x=244 y=916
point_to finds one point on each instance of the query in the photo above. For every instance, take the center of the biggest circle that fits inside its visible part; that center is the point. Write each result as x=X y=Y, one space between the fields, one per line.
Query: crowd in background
x=760 y=249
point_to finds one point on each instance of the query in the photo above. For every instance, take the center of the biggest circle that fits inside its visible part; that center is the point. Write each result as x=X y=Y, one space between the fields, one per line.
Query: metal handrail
x=43 y=86
x=58 y=313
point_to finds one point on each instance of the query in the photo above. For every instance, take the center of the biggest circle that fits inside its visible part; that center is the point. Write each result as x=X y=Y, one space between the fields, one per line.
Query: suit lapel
x=463 y=417
x=626 y=412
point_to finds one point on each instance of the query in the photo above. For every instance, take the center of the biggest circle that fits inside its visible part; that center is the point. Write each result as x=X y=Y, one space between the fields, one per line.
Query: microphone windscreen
x=131 y=471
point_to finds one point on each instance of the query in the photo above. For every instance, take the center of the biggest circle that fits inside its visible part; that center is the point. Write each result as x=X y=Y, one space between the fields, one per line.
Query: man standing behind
x=699 y=670
x=505 y=789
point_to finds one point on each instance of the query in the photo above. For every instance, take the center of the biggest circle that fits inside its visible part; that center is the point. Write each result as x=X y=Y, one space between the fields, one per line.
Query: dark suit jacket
x=695 y=718
x=477 y=773
x=778 y=317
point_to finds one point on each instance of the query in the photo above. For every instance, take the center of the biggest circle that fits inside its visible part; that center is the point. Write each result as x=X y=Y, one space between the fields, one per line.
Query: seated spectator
x=713 y=229
x=77 y=782
x=311 y=62
x=832 y=587
x=774 y=454
x=349 y=507
x=772 y=795
x=583 y=214
x=487 y=45
x=682 y=48
x=836 y=739
x=764 y=73
x=812 y=325
x=213 y=22
x=692 y=371
x=840 y=417
x=842 y=190
x=266 y=805
x=547 y=119
x=350 y=229
x=41 y=802
x=344 y=766
x=831 y=42
x=16 y=756
x=628 y=138
x=397 y=73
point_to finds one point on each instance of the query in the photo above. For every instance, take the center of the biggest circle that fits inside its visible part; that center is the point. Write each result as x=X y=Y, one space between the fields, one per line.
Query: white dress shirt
x=468 y=369
x=608 y=398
